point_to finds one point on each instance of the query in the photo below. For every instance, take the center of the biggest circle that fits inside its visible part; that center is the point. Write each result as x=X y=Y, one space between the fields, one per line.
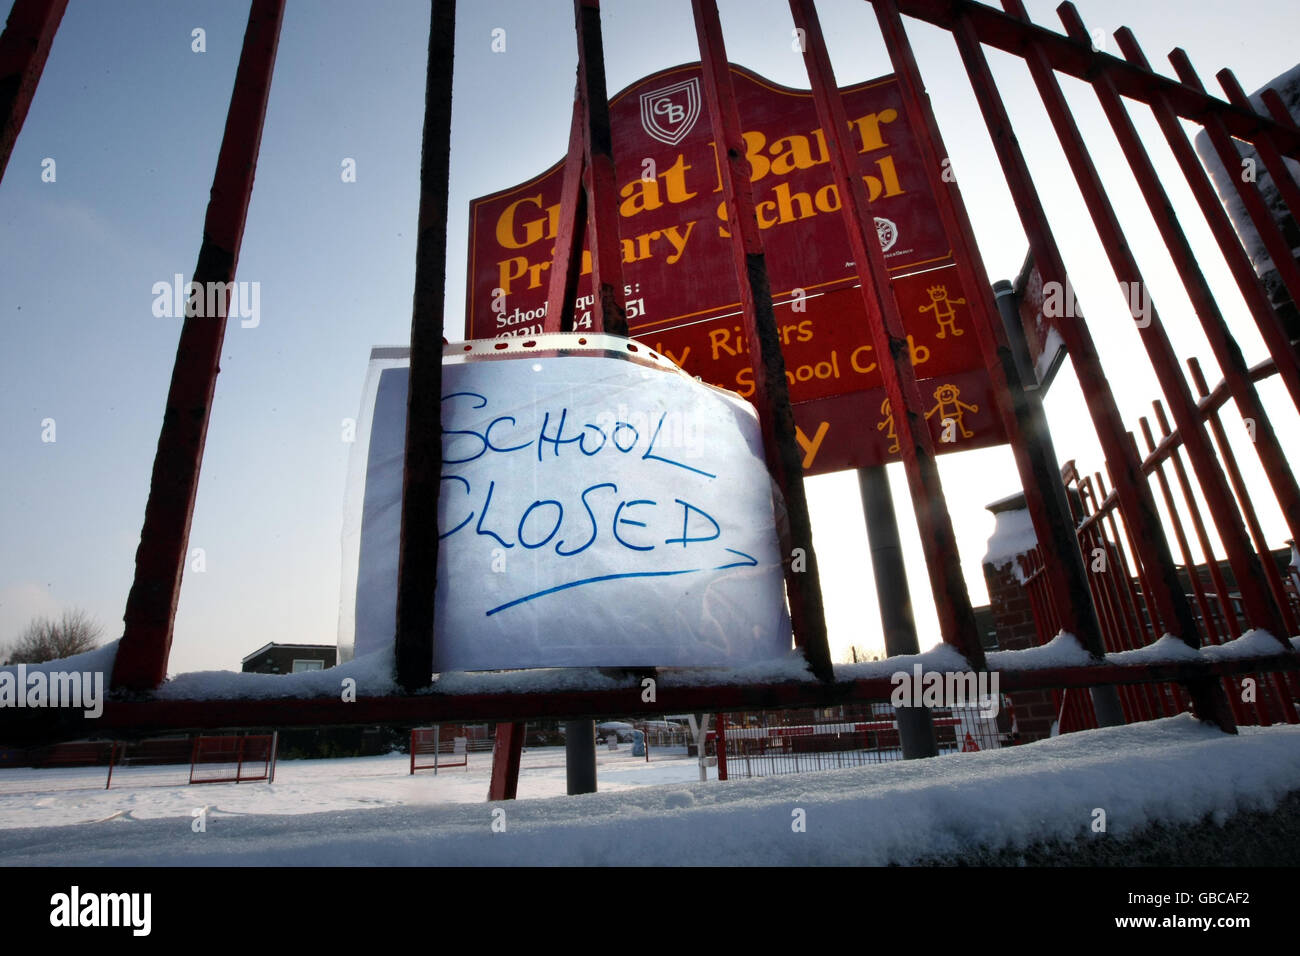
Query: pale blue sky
x=133 y=119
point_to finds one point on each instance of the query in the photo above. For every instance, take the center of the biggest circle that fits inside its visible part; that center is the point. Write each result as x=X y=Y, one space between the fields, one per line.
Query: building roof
x=311 y=647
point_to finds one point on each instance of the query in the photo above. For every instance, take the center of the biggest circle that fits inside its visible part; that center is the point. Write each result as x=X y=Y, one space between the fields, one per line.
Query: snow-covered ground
x=369 y=811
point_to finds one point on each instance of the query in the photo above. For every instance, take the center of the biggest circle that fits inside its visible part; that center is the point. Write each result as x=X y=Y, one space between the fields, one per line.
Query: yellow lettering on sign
x=810 y=446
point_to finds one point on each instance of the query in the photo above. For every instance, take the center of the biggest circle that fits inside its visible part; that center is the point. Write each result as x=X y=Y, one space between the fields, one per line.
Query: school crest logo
x=669 y=113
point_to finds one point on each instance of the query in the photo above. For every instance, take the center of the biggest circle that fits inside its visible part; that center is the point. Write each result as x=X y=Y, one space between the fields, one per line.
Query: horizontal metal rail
x=18 y=727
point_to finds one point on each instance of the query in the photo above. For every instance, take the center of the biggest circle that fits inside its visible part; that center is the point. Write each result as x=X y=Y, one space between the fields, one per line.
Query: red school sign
x=682 y=296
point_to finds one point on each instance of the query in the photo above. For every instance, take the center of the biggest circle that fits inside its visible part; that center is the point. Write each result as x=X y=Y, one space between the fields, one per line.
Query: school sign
x=682 y=297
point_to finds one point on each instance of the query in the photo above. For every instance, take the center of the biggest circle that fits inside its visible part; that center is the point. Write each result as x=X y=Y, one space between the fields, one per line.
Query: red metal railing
x=1119 y=589
x=1138 y=594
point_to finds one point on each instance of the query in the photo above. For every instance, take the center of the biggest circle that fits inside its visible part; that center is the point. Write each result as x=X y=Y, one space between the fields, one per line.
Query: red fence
x=1120 y=585
x=1103 y=613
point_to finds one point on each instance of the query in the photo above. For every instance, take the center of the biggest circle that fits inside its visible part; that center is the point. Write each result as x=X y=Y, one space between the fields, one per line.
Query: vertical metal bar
x=956 y=618
x=566 y=262
x=1269 y=232
x=1137 y=504
x=275 y=751
x=607 y=309
x=580 y=755
x=1227 y=353
x=507 y=749
x=1230 y=690
x=1260 y=608
x=915 y=724
x=1263 y=143
x=1180 y=535
x=771 y=391
x=1243 y=497
x=239 y=758
x=1233 y=626
x=417 y=563
x=24 y=48
x=1023 y=421
x=141 y=662
x=112 y=757
x=1281 y=115
x=720 y=725
x=1143 y=622
x=1225 y=234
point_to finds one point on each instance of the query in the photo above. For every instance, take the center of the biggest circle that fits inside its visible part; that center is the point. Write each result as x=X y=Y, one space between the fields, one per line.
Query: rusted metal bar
x=1248 y=510
x=1015 y=34
x=142 y=654
x=1165 y=592
x=507 y=748
x=1022 y=417
x=1259 y=604
x=1231 y=621
x=1136 y=501
x=28 y=724
x=566 y=259
x=607 y=308
x=417 y=563
x=1263 y=143
x=771 y=390
x=1277 y=109
x=720 y=743
x=1143 y=627
x=1180 y=535
x=1236 y=373
x=1225 y=234
x=24 y=48
x=952 y=602
x=1260 y=215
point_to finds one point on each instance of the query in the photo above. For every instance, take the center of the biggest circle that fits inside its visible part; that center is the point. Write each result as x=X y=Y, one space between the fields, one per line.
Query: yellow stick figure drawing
x=943 y=310
x=951 y=410
x=887 y=426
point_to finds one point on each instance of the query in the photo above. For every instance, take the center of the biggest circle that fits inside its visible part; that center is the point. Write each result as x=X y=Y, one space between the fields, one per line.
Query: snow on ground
x=368 y=811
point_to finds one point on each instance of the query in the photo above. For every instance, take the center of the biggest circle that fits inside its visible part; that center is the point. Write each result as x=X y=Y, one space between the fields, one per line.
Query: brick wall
x=1013 y=620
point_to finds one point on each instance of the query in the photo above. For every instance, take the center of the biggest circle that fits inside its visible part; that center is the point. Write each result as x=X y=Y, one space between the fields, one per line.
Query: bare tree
x=45 y=640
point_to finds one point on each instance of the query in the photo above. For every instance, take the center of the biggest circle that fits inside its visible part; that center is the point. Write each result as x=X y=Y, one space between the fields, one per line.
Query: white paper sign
x=593 y=512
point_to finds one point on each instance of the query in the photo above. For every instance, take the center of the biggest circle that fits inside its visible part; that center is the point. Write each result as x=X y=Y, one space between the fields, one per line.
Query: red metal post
x=566 y=259
x=1262 y=217
x=1022 y=418
x=506 y=753
x=1198 y=589
x=112 y=757
x=1273 y=162
x=1243 y=273
x=24 y=47
x=720 y=724
x=1260 y=608
x=417 y=561
x=607 y=308
x=1243 y=496
x=1137 y=504
x=142 y=654
x=771 y=390
x=952 y=602
x=1230 y=619
x=1227 y=353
